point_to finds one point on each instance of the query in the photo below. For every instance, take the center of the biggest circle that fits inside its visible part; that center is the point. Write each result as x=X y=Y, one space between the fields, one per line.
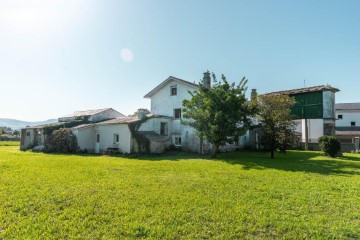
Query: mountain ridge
x=16 y=124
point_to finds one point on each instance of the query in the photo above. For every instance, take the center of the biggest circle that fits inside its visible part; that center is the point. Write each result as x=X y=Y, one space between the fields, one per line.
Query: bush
x=329 y=145
x=61 y=141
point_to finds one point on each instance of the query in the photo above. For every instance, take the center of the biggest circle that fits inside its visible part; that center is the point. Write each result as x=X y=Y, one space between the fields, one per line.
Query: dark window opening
x=97 y=138
x=340 y=116
x=353 y=124
x=177 y=141
x=173 y=90
x=163 y=128
x=116 y=138
x=28 y=134
x=177 y=113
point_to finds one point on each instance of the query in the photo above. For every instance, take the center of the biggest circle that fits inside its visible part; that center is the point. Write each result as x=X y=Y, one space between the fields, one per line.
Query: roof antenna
x=304 y=82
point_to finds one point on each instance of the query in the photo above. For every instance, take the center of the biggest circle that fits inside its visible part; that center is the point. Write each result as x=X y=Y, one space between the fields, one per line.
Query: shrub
x=329 y=145
x=61 y=141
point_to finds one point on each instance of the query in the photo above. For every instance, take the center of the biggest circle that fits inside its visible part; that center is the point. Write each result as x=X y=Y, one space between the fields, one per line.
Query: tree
x=220 y=114
x=329 y=145
x=277 y=124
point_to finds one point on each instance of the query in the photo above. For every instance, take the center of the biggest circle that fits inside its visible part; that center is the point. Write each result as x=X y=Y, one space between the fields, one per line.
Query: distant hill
x=18 y=124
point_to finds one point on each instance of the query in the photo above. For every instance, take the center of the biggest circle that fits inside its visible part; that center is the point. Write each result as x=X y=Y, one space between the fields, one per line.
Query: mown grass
x=241 y=195
x=9 y=143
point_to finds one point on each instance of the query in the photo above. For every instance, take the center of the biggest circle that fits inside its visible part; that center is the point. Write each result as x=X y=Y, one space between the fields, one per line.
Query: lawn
x=241 y=195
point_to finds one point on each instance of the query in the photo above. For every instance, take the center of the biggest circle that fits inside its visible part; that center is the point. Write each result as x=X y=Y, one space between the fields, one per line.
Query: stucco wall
x=164 y=104
x=85 y=138
x=348 y=117
x=315 y=129
x=154 y=124
x=107 y=137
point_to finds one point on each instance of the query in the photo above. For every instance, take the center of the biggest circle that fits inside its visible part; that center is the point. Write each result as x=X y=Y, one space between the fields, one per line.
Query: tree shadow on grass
x=295 y=161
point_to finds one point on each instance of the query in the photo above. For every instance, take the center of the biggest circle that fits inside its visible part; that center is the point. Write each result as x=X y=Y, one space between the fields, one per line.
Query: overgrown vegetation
x=143 y=144
x=329 y=145
x=61 y=141
x=49 y=129
x=242 y=195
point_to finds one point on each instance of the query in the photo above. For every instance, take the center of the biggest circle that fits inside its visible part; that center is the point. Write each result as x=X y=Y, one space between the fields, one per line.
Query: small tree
x=329 y=145
x=61 y=141
x=277 y=124
x=220 y=114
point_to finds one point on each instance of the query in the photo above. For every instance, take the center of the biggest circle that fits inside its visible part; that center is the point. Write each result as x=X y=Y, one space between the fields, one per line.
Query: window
x=340 y=116
x=98 y=138
x=163 y=128
x=116 y=138
x=28 y=134
x=177 y=141
x=177 y=113
x=173 y=90
x=353 y=124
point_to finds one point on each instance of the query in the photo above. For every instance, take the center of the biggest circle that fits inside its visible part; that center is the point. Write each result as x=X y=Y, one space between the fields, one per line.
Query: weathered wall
x=164 y=104
x=36 y=138
x=315 y=129
x=85 y=138
x=107 y=137
x=328 y=104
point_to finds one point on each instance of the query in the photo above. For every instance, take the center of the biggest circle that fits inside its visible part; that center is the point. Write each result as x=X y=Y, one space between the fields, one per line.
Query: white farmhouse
x=347 y=122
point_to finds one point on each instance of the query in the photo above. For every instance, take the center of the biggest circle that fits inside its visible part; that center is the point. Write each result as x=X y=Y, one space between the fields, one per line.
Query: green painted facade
x=308 y=105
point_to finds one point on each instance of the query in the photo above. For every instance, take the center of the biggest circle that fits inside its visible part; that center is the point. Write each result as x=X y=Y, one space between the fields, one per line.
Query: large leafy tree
x=276 y=121
x=220 y=114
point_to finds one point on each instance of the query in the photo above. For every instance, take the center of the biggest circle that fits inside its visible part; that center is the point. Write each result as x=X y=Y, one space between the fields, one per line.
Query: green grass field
x=241 y=195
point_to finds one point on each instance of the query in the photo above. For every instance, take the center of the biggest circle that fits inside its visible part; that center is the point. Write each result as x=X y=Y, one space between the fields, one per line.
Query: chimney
x=206 y=80
x=253 y=94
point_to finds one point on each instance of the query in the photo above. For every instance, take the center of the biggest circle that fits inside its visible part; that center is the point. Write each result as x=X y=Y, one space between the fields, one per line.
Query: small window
x=163 y=128
x=177 y=113
x=28 y=134
x=173 y=90
x=97 y=138
x=177 y=141
x=116 y=138
x=340 y=116
x=353 y=124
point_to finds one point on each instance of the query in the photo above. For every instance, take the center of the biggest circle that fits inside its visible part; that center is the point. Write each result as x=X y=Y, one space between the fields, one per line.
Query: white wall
x=163 y=103
x=315 y=129
x=348 y=117
x=85 y=138
x=107 y=137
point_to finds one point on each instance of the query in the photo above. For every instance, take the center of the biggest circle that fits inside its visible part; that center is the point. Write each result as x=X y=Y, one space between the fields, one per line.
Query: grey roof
x=341 y=131
x=169 y=79
x=85 y=113
x=305 y=90
x=153 y=136
x=347 y=106
x=121 y=120
x=82 y=126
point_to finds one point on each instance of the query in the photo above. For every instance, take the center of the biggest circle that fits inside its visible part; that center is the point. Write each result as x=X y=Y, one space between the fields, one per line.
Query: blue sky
x=60 y=56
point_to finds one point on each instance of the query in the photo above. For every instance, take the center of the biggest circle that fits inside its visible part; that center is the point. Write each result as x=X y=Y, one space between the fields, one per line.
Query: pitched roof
x=169 y=79
x=305 y=90
x=85 y=113
x=347 y=106
x=120 y=120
